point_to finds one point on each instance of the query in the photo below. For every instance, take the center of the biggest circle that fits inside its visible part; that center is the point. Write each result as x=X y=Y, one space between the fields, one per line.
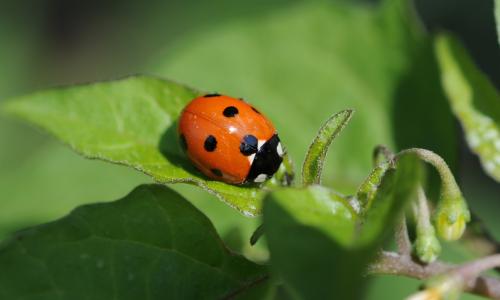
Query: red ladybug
x=229 y=140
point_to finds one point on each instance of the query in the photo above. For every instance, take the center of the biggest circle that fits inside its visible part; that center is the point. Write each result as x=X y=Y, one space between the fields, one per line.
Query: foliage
x=146 y=245
x=130 y=122
x=314 y=228
x=474 y=100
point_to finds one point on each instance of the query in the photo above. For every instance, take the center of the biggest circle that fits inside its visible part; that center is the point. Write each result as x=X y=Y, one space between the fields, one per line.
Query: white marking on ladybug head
x=279 y=149
x=260 y=178
x=251 y=158
x=260 y=143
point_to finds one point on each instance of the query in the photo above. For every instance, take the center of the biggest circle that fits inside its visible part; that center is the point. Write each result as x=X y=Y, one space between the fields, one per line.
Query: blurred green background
x=278 y=55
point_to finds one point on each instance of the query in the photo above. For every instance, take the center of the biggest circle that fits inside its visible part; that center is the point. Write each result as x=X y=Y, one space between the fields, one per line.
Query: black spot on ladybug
x=255 y=110
x=266 y=162
x=216 y=172
x=230 y=111
x=184 y=145
x=249 y=145
x=211 y=95
x=210 y=143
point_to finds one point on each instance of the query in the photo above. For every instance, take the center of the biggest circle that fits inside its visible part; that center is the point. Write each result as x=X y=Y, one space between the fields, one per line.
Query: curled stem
x=447 y=178
x=451 y=213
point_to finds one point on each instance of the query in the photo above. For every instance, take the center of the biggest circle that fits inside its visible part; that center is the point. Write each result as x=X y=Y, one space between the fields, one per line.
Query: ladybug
x=229 y=140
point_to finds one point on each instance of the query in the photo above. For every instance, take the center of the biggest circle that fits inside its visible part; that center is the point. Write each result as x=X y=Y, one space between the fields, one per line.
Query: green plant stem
x=421 y=209
x=447 y=178
x=452 y=214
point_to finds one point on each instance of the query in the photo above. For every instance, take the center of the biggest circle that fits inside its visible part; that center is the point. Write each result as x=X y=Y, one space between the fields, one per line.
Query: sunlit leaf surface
x=131 y=122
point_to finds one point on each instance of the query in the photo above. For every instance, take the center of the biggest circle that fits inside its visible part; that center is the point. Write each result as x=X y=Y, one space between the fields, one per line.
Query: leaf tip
x=349 y=112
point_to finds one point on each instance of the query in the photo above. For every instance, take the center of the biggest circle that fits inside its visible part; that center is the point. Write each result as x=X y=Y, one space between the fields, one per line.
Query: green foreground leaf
x=315 y=157
x=315 y=229
x=152 y=244
x=309 y=229
x=474 y=101
x=130 y=122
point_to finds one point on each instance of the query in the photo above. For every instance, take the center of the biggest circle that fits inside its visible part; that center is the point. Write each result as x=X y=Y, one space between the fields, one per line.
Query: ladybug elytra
x=229 y=140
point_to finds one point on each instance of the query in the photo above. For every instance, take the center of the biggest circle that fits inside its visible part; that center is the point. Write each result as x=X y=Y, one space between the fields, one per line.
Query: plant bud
x=427 y=247
x=451 y=217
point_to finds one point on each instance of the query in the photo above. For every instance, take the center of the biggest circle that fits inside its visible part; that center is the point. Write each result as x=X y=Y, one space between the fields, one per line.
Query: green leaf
x=152 y=244
x=308 y=229
x=315 y=229
x=131 y=122
x=474 y=101
x=316 y=206
x=315 y=157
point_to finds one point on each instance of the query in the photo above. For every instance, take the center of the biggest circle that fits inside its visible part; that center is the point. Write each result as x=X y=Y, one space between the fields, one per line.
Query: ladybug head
x=267 y=160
